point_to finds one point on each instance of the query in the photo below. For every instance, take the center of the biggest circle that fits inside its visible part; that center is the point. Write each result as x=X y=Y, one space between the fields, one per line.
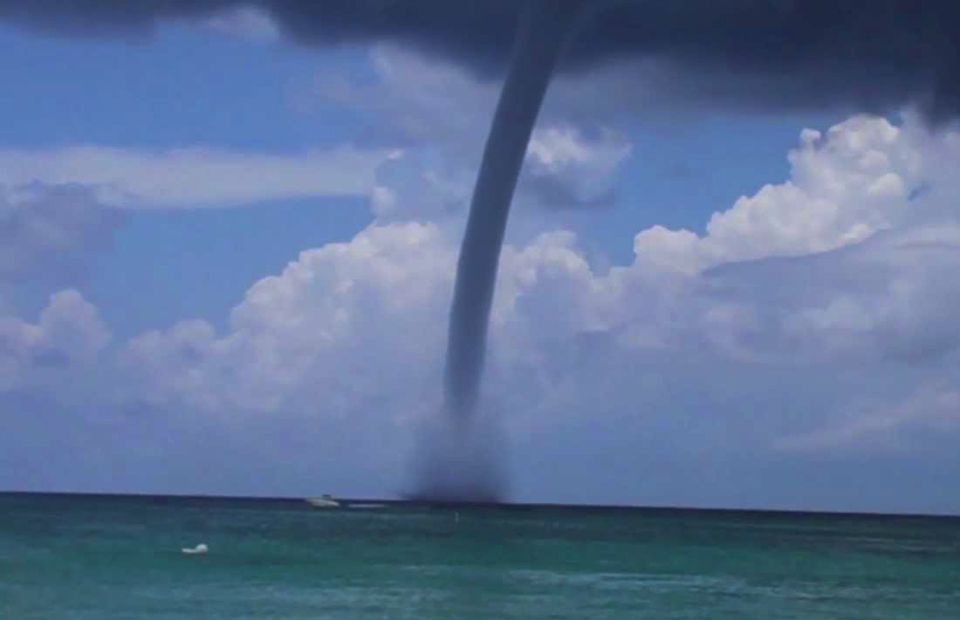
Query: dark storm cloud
x=103 y=17
x=874 y=53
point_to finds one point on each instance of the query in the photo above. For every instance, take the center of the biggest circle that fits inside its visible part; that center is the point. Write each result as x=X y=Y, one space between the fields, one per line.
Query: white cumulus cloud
x=67 y=333
x=844 y=186
x=837 y=264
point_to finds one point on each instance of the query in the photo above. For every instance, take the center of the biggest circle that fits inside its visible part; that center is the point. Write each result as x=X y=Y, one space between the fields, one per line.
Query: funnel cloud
x=468 y=472
x=540 y=37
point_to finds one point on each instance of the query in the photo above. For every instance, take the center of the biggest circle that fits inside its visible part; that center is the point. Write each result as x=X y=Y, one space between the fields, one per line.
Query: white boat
x=324 y=501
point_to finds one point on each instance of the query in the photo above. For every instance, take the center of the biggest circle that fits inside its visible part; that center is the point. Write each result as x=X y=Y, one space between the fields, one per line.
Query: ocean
x=100 y=557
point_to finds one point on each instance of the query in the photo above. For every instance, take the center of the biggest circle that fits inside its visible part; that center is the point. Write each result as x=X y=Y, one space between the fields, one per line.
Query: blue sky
x=187 y=87
x=185 y=311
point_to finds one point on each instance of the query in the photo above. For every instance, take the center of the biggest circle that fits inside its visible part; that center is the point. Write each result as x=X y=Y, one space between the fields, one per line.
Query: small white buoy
x=201 y=548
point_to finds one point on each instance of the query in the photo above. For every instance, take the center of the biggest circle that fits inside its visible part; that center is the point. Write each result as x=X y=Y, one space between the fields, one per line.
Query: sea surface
x=99 y=558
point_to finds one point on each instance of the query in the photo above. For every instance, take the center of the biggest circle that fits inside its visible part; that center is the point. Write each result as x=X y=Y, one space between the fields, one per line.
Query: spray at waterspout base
x=461 y=459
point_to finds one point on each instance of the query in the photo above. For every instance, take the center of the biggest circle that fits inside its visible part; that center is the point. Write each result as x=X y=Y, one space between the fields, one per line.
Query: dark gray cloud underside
x=870 y=52
x=874 y=53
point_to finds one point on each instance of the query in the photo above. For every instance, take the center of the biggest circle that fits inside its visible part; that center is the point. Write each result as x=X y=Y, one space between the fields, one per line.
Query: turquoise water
x=101 y=558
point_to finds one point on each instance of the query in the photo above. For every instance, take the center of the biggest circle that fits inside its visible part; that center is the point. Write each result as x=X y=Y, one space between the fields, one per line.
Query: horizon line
x=490 y=505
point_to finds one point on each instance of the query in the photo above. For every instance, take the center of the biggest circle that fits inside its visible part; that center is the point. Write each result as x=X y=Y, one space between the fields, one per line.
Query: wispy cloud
x=195 y=176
